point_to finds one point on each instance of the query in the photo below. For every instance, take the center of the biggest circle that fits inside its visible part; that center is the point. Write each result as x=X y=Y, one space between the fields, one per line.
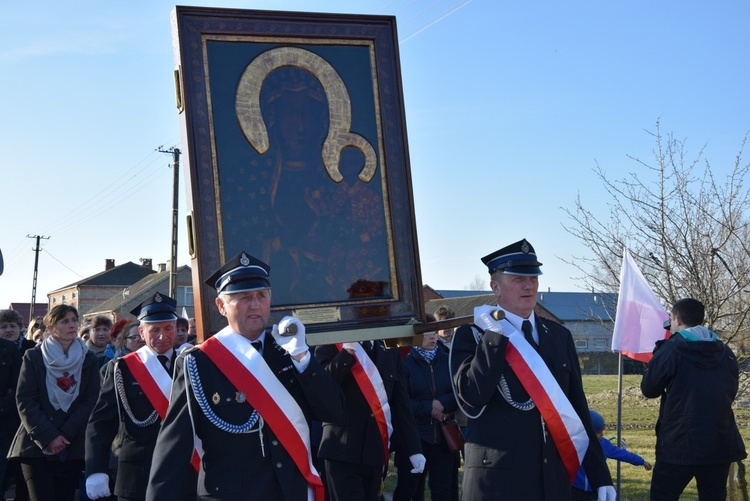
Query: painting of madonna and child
x=309 y=157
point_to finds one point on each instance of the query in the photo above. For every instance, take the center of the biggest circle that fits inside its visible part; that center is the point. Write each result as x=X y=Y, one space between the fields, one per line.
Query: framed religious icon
x=294 y=133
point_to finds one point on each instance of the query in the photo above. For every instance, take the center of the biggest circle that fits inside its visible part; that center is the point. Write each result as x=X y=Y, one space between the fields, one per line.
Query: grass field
x=638 y=419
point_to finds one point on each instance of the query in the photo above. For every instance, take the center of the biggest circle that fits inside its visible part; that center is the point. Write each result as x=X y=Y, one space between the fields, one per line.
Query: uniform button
x=485 y=461
x=274 y=442
x=545 y=460
x=278 y=465
x=372 y=415
x=314 y=374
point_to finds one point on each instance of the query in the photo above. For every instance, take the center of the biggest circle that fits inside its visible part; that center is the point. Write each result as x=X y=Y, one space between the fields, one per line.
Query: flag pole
x=619 y=415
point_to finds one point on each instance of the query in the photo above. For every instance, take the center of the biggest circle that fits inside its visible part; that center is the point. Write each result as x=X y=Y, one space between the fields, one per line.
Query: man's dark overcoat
x=138 y=442
x=240 y=466
x=356 y=438
x=508 y=453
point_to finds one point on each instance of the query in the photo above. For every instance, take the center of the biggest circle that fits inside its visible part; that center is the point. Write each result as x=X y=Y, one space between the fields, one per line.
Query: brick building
x=85 y=294
x=119 y=305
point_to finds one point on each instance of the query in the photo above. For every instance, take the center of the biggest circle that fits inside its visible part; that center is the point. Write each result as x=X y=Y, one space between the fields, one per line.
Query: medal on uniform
x=240 y=397
x=216 y=398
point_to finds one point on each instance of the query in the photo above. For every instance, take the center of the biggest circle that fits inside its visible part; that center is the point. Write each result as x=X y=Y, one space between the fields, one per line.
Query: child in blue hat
x=582 y=490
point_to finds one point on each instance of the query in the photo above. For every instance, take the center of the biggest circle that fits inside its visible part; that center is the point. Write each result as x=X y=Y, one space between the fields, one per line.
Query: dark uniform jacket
x=41 y=423
x=697 y=382
x=508 y=453
x=241 y=466
x=138 y=440
x=355 y=438
x=10 y=366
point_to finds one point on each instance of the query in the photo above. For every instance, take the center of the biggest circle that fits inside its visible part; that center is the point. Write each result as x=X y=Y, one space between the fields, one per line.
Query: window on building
x=63 y=298
x=74 y=295
x=600 y=344
x=582 y=344
x=188 y=296
x=54 y=300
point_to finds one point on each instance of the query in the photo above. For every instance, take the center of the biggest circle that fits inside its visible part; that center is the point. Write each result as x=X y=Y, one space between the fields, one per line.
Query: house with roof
x=119 y=305
x=24 y=309
x=85 y=294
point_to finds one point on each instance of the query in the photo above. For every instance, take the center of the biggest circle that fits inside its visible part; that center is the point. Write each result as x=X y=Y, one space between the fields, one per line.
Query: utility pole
x=36 y=271
x=175 y=195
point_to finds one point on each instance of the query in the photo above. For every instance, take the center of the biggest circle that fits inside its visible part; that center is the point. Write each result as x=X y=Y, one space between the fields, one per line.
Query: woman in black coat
x=57 y=389
x=432 y=401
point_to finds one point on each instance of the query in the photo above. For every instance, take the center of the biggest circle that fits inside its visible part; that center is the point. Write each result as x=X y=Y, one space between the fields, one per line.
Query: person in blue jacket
x=582 y=490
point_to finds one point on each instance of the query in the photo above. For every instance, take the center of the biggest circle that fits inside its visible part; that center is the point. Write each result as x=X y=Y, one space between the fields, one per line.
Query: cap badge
x=157 y=298
x=244 y=260
x=525 y=247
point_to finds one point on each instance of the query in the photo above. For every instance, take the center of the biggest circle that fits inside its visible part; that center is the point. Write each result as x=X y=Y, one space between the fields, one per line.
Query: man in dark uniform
x=130 y=397
x=355 y=448
x=250 y=404
x=517 y=445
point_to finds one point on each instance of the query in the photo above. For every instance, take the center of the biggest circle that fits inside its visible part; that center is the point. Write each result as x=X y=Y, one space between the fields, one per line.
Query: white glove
x=483 y=319
x=417 y=461
x=293 y=344
x=606 y=493
x=97 y=486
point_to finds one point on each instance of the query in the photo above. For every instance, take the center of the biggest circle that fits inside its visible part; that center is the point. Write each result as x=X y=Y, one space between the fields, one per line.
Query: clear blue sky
x=509 y=107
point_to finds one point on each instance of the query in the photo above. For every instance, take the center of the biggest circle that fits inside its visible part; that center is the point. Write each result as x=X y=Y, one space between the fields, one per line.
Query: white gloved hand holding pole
x=97 y=486
x=484 y=319
x=290 y=335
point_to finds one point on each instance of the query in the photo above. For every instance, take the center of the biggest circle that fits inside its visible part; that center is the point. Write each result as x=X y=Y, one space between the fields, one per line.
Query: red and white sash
x=564 y=425
x=372 y=387
x=157 y=385
x=245 y=368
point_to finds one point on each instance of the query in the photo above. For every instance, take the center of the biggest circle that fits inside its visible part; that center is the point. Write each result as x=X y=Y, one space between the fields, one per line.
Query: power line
x=436 y=19
x=64 y=265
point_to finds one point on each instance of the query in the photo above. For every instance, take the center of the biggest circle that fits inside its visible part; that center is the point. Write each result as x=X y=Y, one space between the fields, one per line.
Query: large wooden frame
x=294 y=134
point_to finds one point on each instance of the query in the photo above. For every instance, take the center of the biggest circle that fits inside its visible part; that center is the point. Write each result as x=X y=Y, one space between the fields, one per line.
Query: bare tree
x=477 y=284
x=688 y=231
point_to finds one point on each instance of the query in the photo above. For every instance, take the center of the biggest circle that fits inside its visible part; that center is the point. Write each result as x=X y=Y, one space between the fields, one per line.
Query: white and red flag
x=640 y=316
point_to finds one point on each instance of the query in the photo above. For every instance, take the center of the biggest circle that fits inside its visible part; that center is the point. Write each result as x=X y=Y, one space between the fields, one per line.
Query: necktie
x=369 y=347
x=528 y=333
x=258 y=345
x=164 y=361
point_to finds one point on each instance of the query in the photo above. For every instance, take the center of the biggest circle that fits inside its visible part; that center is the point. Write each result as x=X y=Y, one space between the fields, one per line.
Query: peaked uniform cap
x=242 y=273
x=517 y=258
x=157 y=308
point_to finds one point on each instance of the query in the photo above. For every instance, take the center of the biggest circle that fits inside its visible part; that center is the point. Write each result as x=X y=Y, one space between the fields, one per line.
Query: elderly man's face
x=159 y=336
x=247 y=312
x=515 y=293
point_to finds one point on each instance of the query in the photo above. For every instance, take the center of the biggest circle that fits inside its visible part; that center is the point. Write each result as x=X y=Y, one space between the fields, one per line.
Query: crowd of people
x=137 y=410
